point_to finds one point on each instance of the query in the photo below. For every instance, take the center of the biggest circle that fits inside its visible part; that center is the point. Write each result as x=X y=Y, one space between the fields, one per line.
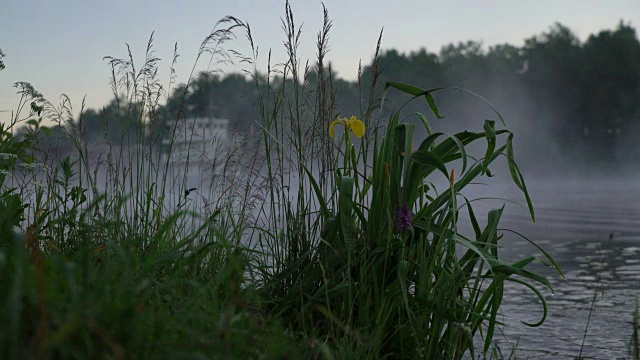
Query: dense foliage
x=314 y=244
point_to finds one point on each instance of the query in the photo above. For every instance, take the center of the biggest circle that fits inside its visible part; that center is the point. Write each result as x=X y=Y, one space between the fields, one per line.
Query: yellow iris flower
x=352 y=124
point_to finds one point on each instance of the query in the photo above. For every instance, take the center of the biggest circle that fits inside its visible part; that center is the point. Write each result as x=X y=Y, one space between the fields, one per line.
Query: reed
x=344 y=244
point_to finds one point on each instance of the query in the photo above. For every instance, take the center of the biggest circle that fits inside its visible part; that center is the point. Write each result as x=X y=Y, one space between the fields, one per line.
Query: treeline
x=580 y=100
x=583 y=98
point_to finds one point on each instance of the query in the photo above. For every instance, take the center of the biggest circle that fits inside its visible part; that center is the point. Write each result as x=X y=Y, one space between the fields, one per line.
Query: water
x=592 y=228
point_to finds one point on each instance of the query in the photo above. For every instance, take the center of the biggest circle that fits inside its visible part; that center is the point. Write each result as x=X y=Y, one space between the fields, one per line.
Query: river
x=592 y=228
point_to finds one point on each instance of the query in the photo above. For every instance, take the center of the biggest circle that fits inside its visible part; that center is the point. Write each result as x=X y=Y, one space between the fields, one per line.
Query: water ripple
x=595 y=237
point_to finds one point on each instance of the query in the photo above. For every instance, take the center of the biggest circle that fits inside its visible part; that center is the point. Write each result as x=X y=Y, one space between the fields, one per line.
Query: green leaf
x=517 y=177
x=540 y=297
x=513 y=168
x=428 y=158
x=326 y=214
x=46 y=130
x=425 y=122
x=490 y=132
x=486 y=102
x=427 y=143
x=345 y=203
x=417 y=92
x=472 y=218
x=33 y=122
x=546 y=254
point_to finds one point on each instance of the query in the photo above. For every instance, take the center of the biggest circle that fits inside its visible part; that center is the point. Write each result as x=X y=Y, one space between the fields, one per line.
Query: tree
x=554 y=60
x=610 y=86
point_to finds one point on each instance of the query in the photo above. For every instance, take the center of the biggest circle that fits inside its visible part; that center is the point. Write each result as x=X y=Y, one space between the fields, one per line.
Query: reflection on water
x=593 y=231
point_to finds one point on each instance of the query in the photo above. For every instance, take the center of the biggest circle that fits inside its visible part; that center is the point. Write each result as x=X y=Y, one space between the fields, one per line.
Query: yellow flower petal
x=332 y=131
x=357 y=126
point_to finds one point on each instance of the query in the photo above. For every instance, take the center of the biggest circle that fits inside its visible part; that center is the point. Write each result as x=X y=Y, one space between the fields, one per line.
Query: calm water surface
x=592 y=228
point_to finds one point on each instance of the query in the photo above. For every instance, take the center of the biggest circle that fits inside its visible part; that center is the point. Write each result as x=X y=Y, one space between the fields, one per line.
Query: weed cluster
x=308 y=243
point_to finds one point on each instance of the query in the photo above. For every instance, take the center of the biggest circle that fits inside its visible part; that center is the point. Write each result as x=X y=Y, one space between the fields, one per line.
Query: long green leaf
x=490 y=133
x=428 y=158
x=417 y=92
x=345 y=203
x=516 y=175
x=326 y=214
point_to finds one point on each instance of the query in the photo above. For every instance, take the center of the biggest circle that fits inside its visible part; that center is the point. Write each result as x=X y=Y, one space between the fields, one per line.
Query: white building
x=197 y=139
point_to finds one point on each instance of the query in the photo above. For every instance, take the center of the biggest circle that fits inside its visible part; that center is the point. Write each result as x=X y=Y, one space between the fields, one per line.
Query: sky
x=59 y=46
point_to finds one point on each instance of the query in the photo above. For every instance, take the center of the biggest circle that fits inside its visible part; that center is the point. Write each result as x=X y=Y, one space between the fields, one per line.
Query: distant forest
x=583 y=98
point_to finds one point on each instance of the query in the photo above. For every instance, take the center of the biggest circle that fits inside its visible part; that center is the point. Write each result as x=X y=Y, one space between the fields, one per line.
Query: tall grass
x=336 y=247
x=341 y=263
x=123 y=258
x=634 y=344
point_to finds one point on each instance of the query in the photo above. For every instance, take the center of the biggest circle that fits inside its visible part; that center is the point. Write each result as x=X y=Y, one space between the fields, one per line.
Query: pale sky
x=59 y=45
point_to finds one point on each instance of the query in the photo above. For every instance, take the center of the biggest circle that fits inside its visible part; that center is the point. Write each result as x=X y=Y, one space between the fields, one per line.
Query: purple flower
x=403 y=218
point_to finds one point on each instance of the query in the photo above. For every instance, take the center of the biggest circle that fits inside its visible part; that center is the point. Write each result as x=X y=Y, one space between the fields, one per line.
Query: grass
x=336 y=247
x=634 y=344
